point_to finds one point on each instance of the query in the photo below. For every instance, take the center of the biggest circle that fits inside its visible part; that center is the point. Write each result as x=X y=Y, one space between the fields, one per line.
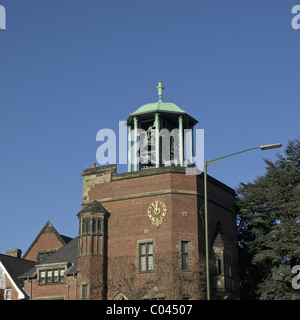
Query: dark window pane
x=184 y=255
x=94 y=226
x=184 y=261
x=84 y=292
x=184 y=246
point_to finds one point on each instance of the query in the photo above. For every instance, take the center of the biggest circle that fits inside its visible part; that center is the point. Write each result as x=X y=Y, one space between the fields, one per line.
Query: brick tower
x=150 y=244
x=92 y=251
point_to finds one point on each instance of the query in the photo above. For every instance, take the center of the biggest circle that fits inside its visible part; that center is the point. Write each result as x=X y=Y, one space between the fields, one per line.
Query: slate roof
x=93 y=207
x=15 y=267
x=220 y=240
x=67 y=254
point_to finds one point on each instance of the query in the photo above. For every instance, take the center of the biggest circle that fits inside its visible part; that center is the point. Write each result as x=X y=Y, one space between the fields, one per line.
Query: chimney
x=14 y=253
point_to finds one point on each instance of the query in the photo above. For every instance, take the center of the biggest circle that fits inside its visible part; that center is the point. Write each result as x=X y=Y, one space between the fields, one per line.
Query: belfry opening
x=157 y=135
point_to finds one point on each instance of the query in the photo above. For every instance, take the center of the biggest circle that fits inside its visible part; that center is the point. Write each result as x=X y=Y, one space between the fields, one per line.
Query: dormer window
x=42 y=277
x=55 y=276
x=42 y=255
x=51 y=276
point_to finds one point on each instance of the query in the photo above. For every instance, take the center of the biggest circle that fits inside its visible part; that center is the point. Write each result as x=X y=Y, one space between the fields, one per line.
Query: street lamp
x=206 y=163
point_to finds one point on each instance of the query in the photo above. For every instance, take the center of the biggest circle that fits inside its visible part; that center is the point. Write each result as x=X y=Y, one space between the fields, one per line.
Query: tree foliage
x=268 y=225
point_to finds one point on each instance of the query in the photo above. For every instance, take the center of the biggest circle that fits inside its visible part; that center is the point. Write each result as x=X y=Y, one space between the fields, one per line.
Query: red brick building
x=141 y=233
x=164 y=261
x=11 y=267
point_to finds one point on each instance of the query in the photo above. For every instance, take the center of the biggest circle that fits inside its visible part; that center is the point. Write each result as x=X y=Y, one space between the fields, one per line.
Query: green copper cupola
x=159 y=130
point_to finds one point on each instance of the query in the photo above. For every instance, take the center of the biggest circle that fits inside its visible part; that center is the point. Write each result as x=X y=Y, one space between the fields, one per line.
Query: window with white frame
x=51 y=276
x=7 y=294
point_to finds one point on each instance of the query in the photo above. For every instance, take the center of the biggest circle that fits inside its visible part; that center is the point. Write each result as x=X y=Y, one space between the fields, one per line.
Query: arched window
x=120 y=296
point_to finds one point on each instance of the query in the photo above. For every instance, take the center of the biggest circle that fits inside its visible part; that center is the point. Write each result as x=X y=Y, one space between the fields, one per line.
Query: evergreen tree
x=268 y=224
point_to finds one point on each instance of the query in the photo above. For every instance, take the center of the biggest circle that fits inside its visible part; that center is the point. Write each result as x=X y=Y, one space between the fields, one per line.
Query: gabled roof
x=93 y=207
x=48 y=227
x=220 y=240
x=66 y=255
x=13 y=267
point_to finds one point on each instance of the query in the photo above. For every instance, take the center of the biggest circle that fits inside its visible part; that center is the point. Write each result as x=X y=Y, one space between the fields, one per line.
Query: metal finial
x=160 y=89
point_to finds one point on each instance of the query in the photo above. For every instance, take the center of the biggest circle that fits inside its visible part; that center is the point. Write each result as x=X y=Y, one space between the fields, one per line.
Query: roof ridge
x=9 y=256
x=48 y=224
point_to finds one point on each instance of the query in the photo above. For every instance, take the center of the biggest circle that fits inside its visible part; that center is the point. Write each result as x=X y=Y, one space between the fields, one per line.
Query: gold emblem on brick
x=156 y=212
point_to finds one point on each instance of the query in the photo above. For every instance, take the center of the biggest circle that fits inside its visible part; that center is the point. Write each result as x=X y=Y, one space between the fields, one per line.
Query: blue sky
x=70 y=68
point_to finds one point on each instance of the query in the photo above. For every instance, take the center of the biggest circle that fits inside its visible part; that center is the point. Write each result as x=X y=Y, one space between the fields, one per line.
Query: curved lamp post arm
x=262 y=147
x=233 y=154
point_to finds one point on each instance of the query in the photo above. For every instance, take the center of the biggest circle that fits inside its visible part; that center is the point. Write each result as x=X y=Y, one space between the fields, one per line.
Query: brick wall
x=128 y=196
x=91 y=272
x=14 y=292
x=47 y=241
x=51 y=290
